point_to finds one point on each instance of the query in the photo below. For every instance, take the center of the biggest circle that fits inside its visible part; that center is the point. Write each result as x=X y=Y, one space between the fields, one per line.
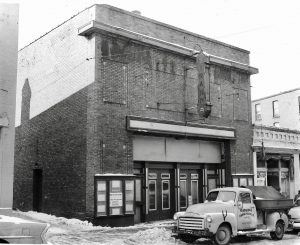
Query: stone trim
x=94 y=26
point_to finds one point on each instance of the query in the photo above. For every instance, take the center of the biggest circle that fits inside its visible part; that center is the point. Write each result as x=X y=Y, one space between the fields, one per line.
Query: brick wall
x=118 y=17
x=53 y=133
x=54 y=141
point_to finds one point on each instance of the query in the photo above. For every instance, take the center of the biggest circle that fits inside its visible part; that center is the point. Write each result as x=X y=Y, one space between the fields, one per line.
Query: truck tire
x=188 y=238
x=223 y=235
x=279 y=231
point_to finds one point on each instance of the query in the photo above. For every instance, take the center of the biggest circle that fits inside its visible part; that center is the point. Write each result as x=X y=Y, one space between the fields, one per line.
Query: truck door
x=246 y=213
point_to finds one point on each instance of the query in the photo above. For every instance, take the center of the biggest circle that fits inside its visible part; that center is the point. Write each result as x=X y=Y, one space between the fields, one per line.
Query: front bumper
x=198 y=233
x=294 y=224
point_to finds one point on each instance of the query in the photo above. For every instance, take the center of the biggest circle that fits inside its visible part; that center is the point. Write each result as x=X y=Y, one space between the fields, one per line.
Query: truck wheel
x=279 y=231
x=223 y=235
x=188 y=238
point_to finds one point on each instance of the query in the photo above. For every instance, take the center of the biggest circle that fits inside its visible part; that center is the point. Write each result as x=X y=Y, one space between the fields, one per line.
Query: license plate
x=189 y=231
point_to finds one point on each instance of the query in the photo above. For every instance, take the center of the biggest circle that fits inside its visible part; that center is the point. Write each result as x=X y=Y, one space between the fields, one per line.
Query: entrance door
x=37 y=190
x=273 y=179
x=189 y=188
x=161 y=194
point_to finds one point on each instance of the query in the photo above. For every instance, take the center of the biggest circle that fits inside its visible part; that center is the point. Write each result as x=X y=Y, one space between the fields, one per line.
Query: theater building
x=124 y=119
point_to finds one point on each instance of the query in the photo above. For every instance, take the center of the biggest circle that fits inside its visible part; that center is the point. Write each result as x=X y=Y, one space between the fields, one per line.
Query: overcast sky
x=269 y=29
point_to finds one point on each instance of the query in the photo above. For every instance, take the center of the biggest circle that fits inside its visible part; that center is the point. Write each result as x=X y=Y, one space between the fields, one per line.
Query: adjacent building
x=8 y=79
x=276 y=143
x=279 y=110
x=123 y=119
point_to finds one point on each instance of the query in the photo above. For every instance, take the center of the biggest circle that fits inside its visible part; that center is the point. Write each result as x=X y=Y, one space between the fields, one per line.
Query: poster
x=116 y=199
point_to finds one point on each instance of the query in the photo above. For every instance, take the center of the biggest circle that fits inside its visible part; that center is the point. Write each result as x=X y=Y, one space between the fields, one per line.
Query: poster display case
x=114 y=198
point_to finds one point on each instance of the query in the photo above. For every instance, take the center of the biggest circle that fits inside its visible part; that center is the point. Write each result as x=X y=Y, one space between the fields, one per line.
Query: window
x=165 y=194
x=275 y=108
x=129 y=196
x=115 y=198
x=257 y=112
x=245 y=197
x=138 y=190
x=152 y=194
x=183 y=194
x=194 y=191
x=101 y=198
x=224 y=196
x=276 y=124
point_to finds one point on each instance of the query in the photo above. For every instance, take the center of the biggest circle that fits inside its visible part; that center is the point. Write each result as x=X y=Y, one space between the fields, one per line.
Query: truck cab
x=228 y=212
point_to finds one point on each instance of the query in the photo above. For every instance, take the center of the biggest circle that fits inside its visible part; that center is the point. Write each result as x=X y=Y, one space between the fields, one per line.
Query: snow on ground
x=74 y=231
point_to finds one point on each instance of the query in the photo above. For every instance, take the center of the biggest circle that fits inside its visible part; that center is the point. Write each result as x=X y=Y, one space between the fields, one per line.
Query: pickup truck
x=229 y=212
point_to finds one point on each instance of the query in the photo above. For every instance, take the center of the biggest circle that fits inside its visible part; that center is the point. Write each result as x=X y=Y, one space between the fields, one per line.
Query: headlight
x=177 y=215
x=209 y=219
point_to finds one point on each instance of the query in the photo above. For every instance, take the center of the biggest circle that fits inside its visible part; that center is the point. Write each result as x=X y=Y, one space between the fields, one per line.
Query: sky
x=269 y=29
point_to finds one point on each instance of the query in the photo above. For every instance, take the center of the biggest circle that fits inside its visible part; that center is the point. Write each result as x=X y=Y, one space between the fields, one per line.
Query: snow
x=75 y=231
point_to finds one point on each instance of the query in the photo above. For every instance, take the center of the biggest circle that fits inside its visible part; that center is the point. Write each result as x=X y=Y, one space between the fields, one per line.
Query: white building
x=9 y=15
x=279 y=110
x=276 y=141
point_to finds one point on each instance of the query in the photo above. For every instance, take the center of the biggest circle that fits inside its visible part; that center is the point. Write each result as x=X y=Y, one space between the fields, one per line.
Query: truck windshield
x=223 y=196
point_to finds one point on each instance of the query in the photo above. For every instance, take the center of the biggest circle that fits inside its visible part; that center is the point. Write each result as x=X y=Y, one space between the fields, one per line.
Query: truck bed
x=271 y=204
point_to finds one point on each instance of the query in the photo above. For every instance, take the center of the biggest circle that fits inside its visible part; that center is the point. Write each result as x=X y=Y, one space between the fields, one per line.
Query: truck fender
x=274 y=217
x=218 y=220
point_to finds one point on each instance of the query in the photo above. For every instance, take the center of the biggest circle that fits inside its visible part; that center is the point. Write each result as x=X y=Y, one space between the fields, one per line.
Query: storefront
x=276 y=170
x=174 y=171
x=276 y=159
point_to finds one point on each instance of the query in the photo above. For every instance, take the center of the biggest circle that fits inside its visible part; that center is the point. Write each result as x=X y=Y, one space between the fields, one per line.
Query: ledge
x=156 y=126
x=98 y=27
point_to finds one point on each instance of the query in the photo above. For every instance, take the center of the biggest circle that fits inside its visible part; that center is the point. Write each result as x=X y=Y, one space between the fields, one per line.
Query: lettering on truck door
x=246 y=213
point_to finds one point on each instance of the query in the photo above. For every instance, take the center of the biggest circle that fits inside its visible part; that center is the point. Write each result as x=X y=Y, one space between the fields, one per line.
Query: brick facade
x=77 y=122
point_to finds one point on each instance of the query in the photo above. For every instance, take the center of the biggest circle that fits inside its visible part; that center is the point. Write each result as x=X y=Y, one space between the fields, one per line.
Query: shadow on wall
x=26 y=97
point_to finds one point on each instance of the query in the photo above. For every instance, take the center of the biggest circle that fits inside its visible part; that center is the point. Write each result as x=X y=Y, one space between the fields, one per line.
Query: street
x=74 y=231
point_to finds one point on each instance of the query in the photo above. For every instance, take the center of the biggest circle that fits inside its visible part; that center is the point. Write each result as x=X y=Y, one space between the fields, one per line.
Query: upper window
x=275 y=108
x=257 y=112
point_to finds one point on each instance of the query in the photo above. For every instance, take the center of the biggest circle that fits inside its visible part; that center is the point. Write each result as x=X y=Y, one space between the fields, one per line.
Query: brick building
x=123 y=119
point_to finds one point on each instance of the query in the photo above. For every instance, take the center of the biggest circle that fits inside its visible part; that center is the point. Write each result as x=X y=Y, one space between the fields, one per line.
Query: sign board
x=152 y=176
x=115 y=199
x=194 y=176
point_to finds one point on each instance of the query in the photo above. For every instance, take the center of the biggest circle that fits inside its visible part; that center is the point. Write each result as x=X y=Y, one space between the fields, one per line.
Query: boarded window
x=114 y=80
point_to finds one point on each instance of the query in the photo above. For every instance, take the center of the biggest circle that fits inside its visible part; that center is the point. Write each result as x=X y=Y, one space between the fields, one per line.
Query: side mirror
x=239 y=204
